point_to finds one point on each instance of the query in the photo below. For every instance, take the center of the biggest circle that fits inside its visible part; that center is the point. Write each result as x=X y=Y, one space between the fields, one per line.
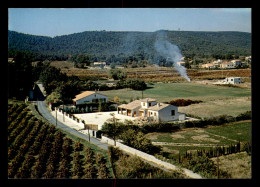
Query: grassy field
x=221 y=135
x=217 y=100
x=165 y=92
x=237 y=165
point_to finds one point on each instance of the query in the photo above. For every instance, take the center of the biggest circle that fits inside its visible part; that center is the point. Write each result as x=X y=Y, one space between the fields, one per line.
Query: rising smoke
x=171 y=52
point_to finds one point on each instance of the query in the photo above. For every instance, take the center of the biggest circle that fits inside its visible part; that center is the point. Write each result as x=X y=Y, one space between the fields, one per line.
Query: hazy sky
x=61 y=21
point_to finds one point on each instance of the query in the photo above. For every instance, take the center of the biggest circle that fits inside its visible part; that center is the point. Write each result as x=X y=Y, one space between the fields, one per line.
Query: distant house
x=10 y=59
x=227 y=65
x=230 y=80
x=100 y=64
x=236 y=62
x=233 y=80
x=89 y=97
x=209 y=65
x=181 y=63
x=217 y=62
x=150 y=109
x=248 y=58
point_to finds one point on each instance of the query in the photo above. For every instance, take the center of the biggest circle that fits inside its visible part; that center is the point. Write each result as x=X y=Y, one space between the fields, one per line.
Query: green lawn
x=221 y=135
x=217 y=100
x=240 y=131
x=164 y=92
x=192 y=138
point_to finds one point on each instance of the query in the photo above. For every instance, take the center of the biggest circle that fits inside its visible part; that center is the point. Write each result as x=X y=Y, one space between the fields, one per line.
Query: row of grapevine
x=39 y=150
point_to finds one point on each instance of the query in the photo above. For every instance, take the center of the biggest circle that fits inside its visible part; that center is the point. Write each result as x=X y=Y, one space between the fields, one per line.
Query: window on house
x=173 y=112
x=150 y=104
x=143 y=104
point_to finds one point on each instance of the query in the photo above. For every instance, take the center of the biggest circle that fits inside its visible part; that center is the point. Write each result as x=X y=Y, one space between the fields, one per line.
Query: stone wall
x=71 y=118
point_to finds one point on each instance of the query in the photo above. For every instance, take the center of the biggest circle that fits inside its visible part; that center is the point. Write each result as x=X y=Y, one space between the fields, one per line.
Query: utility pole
x=217 y=162
x=56 y=115
x=88 y=134
x=63 y=113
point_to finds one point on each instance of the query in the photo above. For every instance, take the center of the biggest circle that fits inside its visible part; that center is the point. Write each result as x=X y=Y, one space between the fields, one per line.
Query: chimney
x=158 y=104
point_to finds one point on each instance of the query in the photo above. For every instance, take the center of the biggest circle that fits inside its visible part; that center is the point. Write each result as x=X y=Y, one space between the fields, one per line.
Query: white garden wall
x=147 y=157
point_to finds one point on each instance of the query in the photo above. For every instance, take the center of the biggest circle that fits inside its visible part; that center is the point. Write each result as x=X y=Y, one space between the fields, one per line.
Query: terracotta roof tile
x=82 y=95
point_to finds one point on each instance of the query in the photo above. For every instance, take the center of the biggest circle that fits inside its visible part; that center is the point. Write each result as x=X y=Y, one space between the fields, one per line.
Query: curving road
x=46 y=114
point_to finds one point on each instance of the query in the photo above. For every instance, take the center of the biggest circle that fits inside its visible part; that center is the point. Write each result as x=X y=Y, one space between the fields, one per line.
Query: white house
x=230 y=80
x=233 y=80
x=217 y=62
x=236 y=62
x=227 y=65
x=209 y=65
x=89 y=97
x=150 y=109
x=181 y=63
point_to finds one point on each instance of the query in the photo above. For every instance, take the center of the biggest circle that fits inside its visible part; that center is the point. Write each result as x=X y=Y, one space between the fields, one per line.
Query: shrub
x=244 y=116
x=183 y=102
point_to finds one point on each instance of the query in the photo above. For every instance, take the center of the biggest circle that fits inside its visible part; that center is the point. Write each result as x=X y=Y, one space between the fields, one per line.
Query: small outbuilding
x=233 y=80
x=230 y=80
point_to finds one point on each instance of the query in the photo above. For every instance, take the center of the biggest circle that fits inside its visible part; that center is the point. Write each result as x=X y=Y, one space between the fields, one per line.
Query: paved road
x=46 y=114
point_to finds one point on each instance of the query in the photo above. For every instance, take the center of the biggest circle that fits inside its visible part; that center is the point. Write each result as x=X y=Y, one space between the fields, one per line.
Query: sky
x=62 y=21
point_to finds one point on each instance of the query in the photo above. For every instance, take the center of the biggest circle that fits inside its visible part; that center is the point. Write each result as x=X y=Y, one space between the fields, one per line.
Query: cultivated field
x=217 y=100
x=153 y=73
x=190 y=140
x=166 y=85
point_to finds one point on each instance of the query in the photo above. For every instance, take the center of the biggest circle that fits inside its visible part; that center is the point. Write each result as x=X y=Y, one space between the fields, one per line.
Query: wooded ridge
x=101 y=45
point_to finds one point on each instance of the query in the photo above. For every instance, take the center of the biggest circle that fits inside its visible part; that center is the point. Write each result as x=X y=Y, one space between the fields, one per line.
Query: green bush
x=244 y=116
x=204 y=166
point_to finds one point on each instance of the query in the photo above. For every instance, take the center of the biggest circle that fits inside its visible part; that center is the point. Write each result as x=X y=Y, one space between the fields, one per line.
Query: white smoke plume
x=167 y=49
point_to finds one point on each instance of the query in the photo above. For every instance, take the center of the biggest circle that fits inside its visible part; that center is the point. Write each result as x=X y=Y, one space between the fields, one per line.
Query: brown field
x=155 y=74
x=86 y=73
x=62 y=64
x=237 y=165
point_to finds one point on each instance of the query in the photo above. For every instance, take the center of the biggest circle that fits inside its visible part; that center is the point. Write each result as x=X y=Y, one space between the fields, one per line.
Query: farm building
x=100 y=64
x=227 y=65
x=233 y=80
x=208 y=65
x=151 y=110
x=230 y=80
x=89 y=97
x=181 y=63
x=217 y=62
x=236 y=62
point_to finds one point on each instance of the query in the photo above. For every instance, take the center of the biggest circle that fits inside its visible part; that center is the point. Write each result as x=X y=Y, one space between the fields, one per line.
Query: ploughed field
x=162 y=74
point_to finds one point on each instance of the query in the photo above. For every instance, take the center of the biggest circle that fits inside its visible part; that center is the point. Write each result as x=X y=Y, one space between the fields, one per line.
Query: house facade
x=210 y=65
x=233 y=80
x=151 y=110
x=227 y=65
x=181 y=63
x=236 y=62
x=89 y=97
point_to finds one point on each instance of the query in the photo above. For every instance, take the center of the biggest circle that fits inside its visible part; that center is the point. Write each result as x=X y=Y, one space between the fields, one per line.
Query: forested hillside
x=116 y=46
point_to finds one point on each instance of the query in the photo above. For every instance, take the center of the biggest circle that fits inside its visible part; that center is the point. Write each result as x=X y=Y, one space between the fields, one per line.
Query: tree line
x=121 y=47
